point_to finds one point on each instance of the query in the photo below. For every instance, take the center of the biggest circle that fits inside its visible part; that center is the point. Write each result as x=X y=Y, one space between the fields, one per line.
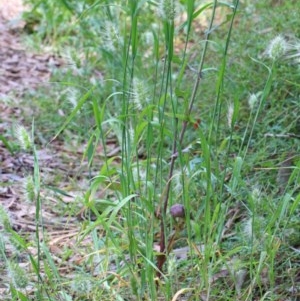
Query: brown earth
x=11 y=10
x=22 y=70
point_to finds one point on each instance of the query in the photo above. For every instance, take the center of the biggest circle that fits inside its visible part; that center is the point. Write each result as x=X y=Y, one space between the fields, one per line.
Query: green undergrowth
x=198 y=199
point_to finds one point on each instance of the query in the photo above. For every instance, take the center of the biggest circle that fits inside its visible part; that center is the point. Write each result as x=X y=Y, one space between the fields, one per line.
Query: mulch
x=21 y=70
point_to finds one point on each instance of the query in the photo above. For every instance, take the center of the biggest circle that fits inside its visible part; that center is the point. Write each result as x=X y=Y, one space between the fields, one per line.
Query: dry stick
x=161 y=258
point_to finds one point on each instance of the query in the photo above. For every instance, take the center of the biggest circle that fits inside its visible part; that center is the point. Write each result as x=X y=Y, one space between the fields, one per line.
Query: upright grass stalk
x=38 y=222
x=127 y=182
x=128 y=224
x=178 y=145
x=32 y=189
x=263 y=98
x=169 y=34
x=218 y=104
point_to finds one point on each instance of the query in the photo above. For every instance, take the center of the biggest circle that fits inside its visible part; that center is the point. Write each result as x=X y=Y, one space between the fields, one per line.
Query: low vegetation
x=162 y=160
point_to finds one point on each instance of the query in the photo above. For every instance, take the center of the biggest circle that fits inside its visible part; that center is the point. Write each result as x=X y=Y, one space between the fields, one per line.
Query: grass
x=153 y=111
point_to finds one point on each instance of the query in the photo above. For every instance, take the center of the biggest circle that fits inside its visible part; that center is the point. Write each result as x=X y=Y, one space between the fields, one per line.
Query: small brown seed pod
x=177 y=210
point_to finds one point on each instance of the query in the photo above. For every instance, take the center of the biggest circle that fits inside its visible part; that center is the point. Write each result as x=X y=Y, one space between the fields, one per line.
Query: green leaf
x=81 y=102
x=59 y=191
x=17 y=295
x=6 y=144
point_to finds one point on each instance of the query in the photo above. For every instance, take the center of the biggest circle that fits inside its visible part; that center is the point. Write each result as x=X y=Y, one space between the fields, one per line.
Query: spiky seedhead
x=81 y=285
x=4 y=219
x=293 y=52
x=110 y=35
x=72 y=97
x=17 y=275
x=167 y=10
x=131 y=135
x=29 y=189
x=171 y=265
x=256 y=195
x=277 y=48
x=73 y=60
x=253 y=100
x=177 y=180
x=23 y=137
x=230 y=115
x=139 y=94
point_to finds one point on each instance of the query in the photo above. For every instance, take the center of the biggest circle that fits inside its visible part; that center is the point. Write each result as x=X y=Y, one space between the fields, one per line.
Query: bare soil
x=22 y=70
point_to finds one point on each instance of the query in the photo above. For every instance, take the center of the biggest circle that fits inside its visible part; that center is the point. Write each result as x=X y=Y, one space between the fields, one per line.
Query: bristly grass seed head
x=167 y=10
x=230 y=115
x=256 y=195
x=111 y=37
x=4 y=219
x=139 y=94
x=17 y=275
x=171 y=266
x=81 y=285
x=72 y=97
x=177 y=179
x=29 y=189
x=73 y=60
x=253 y=100
x=131 y=135
x=24 y=138
x=277 y=48
x=293 y=52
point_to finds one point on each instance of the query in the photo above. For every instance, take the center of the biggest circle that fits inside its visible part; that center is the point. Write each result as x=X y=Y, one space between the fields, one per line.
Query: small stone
x=177 y=210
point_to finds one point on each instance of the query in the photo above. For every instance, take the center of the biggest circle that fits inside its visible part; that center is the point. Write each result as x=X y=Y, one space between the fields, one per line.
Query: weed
x=180 y=112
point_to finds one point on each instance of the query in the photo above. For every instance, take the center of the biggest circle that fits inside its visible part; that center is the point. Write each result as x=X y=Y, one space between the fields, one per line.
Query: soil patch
x=21 y=70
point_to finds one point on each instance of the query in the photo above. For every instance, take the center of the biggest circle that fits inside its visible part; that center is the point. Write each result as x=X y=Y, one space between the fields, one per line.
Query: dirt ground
x=12 y=9
x=20 y=71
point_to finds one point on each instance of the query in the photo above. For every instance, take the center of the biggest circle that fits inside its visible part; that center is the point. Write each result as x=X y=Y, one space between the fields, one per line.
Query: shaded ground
x=22 y=71
x=11 y=11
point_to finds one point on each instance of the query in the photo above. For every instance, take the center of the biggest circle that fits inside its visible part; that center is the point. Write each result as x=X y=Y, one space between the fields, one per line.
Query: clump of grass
x=196 y=145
